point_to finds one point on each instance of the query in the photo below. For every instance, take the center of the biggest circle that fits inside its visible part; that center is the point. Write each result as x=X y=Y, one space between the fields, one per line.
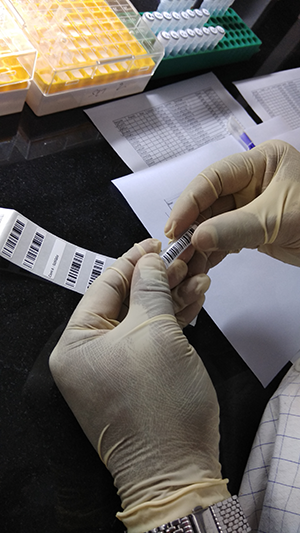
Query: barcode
x=13 y=238
x=74 y=270
x=33 y=250
x=178 y=247
x=96 y=270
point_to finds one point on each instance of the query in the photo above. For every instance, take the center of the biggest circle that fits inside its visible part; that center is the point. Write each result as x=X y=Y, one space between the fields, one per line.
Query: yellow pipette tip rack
x=87 y=43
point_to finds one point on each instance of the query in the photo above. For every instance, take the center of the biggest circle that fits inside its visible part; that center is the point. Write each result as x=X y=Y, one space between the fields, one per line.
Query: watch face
x=222 y=517
x=180 y=525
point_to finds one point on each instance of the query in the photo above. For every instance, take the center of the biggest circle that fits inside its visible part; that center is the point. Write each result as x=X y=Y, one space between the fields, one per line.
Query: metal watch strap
x=223 y=517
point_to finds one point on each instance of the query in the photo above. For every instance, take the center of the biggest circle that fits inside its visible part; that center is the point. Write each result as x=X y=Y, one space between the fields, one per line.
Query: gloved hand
x=141 y=393
x=257 y=197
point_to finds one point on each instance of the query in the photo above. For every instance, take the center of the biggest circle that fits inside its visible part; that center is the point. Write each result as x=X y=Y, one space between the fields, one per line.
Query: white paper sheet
x=159 y=125
x=274 y=95
x=254 y=299
x=152 y=192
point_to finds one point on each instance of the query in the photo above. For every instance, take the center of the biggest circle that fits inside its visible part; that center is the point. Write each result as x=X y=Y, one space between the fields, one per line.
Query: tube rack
x=238 y=44
x=17 y=62
x=83 y=45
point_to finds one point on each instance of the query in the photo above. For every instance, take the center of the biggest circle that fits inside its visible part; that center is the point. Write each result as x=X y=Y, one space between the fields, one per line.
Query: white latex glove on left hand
x=141 y=393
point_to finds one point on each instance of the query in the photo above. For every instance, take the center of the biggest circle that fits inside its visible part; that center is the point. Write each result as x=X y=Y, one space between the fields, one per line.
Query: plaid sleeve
x=270 y=489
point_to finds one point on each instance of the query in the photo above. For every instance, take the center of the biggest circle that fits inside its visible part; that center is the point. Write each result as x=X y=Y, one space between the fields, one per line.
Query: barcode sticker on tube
x=29 y=246
x=177 y=247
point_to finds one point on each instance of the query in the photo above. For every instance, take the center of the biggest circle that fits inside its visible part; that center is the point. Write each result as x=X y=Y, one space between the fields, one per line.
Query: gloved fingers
x=188 y=297
x=150 y=291
x=202 y=262
x=185 y=317
x=101 y=305
x=220 y=179
x=263 y=183
x=189 y=291
x=229 y=232
x=185 y=257
x=224 y=178
x=221 y=205
x=177 y=272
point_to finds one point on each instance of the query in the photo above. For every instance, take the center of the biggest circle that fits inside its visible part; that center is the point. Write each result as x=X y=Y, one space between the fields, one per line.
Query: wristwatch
x=222 y=517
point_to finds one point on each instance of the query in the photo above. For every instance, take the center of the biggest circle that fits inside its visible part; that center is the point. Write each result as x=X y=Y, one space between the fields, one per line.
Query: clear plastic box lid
x=17 y=54
x=88 y=42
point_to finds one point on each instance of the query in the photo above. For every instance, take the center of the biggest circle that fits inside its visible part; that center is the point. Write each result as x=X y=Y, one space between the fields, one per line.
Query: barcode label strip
x=74 y=270
x=13 y=238
x=169 y=255
x=33 y=250
x=29 y=246
x=96 y=270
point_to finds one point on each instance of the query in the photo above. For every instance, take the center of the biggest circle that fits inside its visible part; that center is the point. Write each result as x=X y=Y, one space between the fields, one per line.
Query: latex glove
x=258 y=196
x=141 y=394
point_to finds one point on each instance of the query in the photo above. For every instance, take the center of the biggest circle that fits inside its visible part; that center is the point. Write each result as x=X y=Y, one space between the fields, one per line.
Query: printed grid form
x=282 y=99
x=172 y=129
x=270 y=489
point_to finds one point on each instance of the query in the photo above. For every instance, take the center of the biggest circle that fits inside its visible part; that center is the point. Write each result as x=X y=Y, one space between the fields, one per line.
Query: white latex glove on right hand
x=258 y=196
x=141 y=393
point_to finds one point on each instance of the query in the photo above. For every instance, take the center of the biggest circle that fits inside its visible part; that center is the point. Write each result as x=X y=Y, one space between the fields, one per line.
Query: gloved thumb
x=229 y=232
x=150 y=294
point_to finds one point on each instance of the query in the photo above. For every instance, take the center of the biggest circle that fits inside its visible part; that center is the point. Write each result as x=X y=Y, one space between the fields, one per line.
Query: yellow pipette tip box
x=88 y=51
x=17 y=62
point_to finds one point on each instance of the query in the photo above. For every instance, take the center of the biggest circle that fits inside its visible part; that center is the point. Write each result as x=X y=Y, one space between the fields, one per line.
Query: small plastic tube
x=166 y=5
x=191 y=41
x=157 y=23
x=236 y=130
x=199 y=39
x=221 y=34
x=214 y=6
x=206 y=15
x=175 y=23
x=148 y=18
x=209 y=5
x=199 y=18
x=183 y=5
x=213 y=38
x=184 y=19
x=192 y=17
x=218 y=6
x=207 y=37
x=175 y=43
x=225 y=6
x=165 y=39
x=183 y=41
x=167 y=21
x=176 y=248
x=171 y=42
